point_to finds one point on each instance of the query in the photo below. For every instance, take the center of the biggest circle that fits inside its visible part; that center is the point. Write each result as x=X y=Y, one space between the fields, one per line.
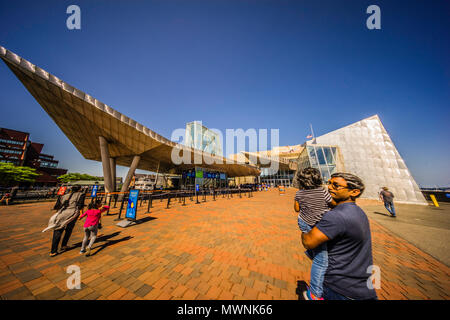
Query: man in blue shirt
x=346 y=231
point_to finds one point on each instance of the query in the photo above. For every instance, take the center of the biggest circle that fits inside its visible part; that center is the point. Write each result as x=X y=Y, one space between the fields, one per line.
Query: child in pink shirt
x=94 y=214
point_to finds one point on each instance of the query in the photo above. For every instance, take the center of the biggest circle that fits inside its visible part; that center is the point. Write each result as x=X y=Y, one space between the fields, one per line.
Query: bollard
x=184 y=199
x=204 y=196
x=240 y=195
x=433 y=198
x=214 y=194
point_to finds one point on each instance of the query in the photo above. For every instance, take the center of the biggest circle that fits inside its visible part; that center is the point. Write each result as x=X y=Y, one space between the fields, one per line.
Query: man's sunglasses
x=337 y=186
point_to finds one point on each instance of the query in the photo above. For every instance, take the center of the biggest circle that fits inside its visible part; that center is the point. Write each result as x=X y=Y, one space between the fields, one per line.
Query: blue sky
x=241 y=64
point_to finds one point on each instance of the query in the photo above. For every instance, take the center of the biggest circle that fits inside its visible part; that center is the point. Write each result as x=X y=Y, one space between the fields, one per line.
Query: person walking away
x=312 y=201
x=346 y=231
x=65 y=218
x=388 y=198
x=91 y=225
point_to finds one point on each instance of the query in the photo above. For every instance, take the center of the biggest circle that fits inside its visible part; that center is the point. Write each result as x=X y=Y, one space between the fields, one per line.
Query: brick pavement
x=239 y=248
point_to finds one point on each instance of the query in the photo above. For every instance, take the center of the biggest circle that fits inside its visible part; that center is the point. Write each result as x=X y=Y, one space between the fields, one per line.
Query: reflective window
x=312 y=157
x=320 y=155
x=328 y=155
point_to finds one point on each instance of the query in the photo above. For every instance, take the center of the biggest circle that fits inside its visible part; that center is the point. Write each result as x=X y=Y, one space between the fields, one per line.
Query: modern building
x=150 y=181
x=16 y=148
x=13 y=146
x=199 y=137
x=103 y=134
x=363 y=148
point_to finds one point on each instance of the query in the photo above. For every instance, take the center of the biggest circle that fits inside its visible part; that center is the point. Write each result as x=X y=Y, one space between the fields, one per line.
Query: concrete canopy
x=84 y=119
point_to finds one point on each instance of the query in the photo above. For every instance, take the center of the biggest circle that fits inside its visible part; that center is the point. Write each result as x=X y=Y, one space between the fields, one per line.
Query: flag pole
x=313 y=136
x=312 y=131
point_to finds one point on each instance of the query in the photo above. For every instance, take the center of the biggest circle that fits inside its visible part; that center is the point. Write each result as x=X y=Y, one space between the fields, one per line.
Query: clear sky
x=241 y=64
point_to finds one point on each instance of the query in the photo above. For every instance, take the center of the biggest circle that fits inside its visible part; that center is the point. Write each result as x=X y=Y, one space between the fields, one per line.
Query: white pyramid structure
x=368 y=152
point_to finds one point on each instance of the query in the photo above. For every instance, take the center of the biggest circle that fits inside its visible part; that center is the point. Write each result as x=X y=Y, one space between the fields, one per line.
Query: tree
x=75 y=176
x=11 y=174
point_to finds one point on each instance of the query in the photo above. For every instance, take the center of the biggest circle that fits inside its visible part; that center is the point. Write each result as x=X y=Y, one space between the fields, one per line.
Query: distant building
x=148 y=181
x=16 y=148
x=363 y=148
x=200 y=137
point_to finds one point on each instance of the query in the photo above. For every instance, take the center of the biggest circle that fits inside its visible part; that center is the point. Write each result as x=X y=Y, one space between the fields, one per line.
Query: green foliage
x=75 y=176
x=11 y=174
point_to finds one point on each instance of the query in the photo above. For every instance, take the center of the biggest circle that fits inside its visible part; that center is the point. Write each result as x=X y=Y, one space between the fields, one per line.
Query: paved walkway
x=236 y=248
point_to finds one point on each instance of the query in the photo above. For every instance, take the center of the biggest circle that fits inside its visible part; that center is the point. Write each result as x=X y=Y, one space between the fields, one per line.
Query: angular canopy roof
x=83 y=119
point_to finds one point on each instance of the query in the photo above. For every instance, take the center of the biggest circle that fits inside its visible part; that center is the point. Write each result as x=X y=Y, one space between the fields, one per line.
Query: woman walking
x=64 y=220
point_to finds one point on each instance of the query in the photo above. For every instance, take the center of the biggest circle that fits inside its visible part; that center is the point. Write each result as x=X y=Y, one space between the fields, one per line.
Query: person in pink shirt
x=94 y=214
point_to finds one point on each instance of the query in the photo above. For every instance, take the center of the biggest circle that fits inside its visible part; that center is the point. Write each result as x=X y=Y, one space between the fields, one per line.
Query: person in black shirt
x=345 y=229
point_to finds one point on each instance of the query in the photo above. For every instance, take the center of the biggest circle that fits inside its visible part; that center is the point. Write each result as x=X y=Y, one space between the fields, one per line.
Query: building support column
x=112 y=164
x=130 y=174
x=104 y=151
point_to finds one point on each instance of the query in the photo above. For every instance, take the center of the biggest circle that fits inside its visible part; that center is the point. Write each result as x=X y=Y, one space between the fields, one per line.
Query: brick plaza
x=237 y=248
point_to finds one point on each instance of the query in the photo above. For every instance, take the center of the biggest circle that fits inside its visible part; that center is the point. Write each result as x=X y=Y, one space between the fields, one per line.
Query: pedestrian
x=388 y=198
x=6 y=198
x=346 y=231
x=311 y=203
x=65 y=218
x=91 y=225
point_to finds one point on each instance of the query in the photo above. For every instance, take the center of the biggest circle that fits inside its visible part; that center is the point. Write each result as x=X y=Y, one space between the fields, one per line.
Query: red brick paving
x=239 y=248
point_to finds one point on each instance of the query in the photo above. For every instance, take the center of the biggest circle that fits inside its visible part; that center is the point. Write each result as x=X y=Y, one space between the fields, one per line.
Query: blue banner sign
x=94 y=191
x=132 y=204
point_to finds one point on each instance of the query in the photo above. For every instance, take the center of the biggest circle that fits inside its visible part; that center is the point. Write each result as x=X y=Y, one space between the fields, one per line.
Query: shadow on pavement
x=301 y=286
x=109 y=243
x=383 y=214
x=99 y=239
x=142 y=220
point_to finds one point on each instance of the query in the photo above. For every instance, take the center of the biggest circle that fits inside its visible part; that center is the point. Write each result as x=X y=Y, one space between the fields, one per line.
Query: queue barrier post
x=121 y=208
x=109 y=204
x=149 y=204
x=168 y=200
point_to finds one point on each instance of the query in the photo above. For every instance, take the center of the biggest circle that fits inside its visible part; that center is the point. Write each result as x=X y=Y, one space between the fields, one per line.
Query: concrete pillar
x=106 y=164
x=130 y=173
x=112 y=164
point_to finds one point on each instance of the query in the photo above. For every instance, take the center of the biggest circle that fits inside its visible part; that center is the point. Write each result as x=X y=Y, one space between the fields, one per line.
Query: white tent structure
x=368 y=152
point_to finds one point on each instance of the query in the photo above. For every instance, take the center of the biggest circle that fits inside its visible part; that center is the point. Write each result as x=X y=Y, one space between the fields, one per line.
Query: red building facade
x=16 y=148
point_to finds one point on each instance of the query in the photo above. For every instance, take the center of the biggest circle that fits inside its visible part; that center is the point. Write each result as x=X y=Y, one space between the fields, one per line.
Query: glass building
x=324 y=158
x=368 y=152
x=199 y=137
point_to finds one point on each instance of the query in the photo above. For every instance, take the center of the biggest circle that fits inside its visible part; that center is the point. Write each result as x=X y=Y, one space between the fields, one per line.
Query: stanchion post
x=149 y=204
x=121 y=208
x=109 y=205
x=168 y=200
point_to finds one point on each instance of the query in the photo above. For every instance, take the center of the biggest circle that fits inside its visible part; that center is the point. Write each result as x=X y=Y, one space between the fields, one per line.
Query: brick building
x=16 y=148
